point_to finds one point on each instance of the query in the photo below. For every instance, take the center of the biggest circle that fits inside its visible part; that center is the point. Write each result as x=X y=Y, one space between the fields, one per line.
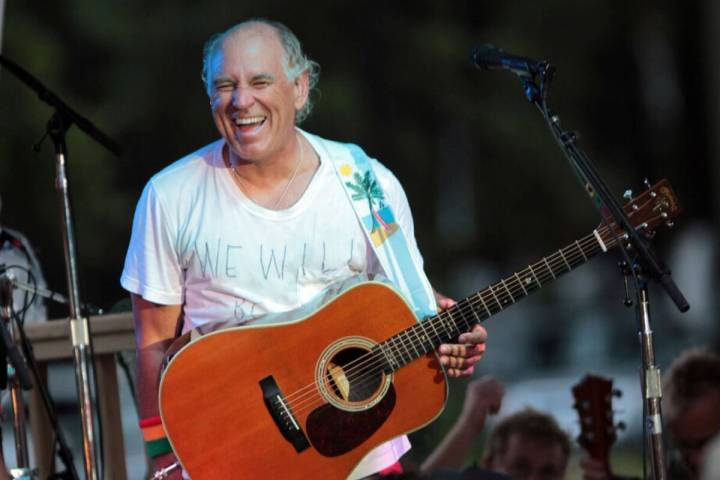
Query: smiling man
x=264 y=219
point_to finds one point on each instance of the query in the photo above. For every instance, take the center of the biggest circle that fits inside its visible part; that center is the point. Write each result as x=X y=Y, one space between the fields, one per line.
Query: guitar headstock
x=593 y=402
x=656 y=207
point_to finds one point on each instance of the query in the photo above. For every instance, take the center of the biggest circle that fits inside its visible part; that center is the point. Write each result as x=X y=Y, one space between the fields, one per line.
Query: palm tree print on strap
x=365 y=187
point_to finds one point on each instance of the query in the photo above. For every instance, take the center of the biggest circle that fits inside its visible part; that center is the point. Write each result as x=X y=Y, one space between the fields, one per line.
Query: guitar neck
x=426 y=336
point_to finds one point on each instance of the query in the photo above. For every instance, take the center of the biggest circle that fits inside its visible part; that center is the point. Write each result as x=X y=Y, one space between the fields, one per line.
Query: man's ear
x=302 y=90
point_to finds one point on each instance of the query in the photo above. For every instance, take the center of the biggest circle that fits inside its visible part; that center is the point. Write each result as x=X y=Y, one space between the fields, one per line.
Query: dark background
x=490 y=190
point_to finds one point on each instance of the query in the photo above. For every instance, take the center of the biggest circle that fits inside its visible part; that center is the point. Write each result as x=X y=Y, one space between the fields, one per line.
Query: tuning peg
x=646 y=182
x=628 y=195
x=670 y=224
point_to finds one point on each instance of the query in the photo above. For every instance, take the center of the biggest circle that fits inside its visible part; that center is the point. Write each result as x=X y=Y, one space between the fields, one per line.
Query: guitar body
x=302 y=399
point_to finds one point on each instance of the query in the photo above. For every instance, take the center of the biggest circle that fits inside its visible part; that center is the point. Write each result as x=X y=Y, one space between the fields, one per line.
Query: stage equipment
x=535 y=78
x=62 y=119
x=15 y=375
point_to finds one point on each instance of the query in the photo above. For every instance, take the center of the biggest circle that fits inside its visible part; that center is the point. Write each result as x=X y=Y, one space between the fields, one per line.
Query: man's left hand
x=459 y=359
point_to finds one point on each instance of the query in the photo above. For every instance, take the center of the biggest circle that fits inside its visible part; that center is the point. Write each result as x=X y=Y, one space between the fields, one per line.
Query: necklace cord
x=282 y=196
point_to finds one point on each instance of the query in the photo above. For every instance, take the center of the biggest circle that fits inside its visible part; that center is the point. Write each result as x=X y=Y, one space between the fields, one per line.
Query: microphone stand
x=647 y=264
x=62 y=119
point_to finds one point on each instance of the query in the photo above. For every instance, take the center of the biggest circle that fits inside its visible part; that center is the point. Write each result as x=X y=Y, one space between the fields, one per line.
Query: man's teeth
x=249 y=121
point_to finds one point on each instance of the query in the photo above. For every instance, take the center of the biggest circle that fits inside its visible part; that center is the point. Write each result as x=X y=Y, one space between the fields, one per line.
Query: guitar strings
x=571 y=260
x=299 y=400
x=299 y=406
x=371 y=359
x=368 y=377
x=556 y=260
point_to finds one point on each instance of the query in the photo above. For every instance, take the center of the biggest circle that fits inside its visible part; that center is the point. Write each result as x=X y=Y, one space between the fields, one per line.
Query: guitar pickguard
x=334 y=432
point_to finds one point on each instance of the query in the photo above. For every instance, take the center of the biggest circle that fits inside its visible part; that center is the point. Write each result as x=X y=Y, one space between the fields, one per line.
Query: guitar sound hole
x=353 y=375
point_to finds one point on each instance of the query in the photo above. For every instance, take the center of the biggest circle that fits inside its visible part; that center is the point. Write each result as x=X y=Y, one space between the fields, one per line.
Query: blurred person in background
x=691 y=409
x=525 y=445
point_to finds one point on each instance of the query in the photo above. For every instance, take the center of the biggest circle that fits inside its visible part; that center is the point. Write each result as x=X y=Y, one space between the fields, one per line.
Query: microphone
x=490 y=57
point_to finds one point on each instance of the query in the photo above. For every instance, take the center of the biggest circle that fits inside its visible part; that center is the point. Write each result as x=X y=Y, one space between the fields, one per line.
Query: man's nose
x=242 y=98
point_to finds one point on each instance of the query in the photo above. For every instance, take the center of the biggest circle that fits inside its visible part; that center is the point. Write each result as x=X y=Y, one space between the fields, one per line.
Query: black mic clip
x=529 y=71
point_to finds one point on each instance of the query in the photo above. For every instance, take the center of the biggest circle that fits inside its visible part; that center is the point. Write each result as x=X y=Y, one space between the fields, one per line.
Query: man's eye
x=224 y=87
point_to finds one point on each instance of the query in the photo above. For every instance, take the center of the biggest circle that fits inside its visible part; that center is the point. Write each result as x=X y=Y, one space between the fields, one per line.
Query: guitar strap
x=384 y=234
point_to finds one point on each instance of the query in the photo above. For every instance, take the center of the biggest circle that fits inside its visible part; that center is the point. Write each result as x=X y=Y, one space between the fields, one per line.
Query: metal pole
x=79 y=325
x=652 y=387
x=17 y=404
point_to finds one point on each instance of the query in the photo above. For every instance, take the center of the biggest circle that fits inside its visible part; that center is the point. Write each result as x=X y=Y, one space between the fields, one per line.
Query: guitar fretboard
x=418 y=340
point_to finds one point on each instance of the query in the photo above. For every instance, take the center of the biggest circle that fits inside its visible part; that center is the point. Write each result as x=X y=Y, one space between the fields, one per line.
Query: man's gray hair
x=295 y=62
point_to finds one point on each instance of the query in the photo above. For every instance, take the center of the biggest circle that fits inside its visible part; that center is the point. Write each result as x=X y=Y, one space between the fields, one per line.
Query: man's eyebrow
x=222 y=79
x=263 y=77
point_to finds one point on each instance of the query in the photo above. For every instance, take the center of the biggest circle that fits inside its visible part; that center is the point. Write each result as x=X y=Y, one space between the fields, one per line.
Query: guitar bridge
x=282 y=415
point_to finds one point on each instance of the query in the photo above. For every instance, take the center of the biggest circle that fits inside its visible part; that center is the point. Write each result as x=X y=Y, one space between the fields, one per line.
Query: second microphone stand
x=647 y=265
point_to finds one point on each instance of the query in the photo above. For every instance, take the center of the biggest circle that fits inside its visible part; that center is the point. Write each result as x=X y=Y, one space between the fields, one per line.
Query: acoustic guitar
x=310 y=397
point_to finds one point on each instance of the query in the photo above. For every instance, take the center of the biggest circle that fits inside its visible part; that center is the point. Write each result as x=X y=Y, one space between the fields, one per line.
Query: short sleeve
x=152 y=269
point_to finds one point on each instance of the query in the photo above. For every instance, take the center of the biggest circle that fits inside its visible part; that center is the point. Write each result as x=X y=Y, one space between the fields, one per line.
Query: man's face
x=253 y=102
x=694 y=427
x=530 y=458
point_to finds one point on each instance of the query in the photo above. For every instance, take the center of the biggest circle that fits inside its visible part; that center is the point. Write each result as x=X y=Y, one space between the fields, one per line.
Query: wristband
x=150 y=421
x=158 y=447
x=153 y=433
x=156 y=442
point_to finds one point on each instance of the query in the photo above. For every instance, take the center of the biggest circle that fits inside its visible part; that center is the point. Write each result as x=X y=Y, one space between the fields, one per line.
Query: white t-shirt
x=197 y=240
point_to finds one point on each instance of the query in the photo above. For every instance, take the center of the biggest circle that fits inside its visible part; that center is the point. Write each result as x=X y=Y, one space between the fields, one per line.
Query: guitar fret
x=392 y=363
x=443 y=320
x=564 y=259
x=521 y=284
x=462 y=323
x=479 y=295
x=581 y=250
x=432 y=324
x=535 y=276
x=425 y=340
x=477 y=317
x=394 y=358
x=402 y=344
x=508 y=290
x=454 y=322
x=420 y=337
x=496 y=298
x=549 y=268
x=412 y=344
x=404 y=340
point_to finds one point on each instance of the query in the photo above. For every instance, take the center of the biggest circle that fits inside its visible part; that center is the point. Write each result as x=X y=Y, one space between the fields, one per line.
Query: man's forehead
x=253 y=36
x=256 y=47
